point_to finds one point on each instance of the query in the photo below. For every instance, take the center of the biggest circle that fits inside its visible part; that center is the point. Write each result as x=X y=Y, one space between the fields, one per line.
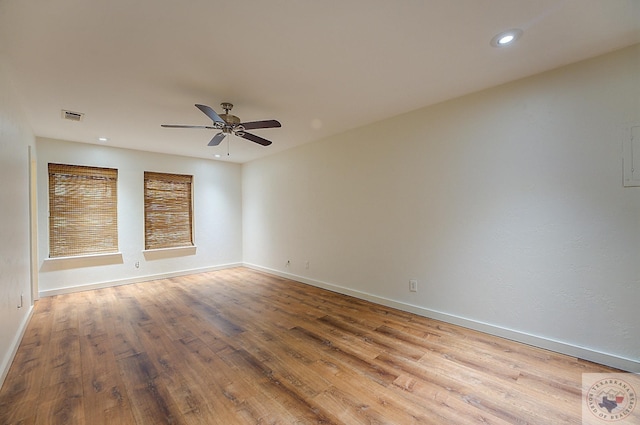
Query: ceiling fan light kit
x=229 y=124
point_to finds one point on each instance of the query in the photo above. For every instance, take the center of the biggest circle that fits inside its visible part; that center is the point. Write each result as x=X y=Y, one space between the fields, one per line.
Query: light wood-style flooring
x=242 y=347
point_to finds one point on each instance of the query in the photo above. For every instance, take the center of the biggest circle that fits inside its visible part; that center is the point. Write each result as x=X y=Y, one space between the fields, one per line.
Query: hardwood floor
x=242 y=347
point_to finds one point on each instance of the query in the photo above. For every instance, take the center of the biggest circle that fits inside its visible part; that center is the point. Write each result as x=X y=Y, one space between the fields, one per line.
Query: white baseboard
x=11 y=354
x=137 y=279
x=511 y=334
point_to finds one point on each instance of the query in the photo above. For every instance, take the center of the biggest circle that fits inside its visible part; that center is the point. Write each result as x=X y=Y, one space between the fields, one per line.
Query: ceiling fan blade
x=187 y=126
x=216 y=139
x=210 y=113
x=252 y=125
x=256 y=139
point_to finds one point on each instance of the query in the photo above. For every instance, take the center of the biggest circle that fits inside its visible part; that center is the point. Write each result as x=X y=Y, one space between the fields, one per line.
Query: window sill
x=78 y=261
x=161 y=253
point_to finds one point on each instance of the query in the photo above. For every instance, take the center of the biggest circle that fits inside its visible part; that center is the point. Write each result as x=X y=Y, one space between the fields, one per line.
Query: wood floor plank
x=287 y=395
x=229 y=395
x=151 y=402
x=238 y=346
x=20 y=394
x=61 y=403
x=61 y=395
x=105 y=398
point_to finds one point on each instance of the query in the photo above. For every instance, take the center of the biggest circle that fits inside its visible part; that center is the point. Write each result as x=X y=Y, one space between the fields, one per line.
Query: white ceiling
x=320 y=67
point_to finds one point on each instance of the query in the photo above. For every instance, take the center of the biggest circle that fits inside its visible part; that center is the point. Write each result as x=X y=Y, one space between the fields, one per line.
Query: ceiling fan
x=230 y=124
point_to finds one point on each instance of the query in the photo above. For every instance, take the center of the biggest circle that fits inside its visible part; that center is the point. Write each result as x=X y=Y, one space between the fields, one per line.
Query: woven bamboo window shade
x=168 y=216
x=83 y=216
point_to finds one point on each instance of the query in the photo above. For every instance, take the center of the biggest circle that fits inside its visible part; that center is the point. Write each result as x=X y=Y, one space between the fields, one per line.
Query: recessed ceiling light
x=506 y=38
x=217 y=155
x=102 y=139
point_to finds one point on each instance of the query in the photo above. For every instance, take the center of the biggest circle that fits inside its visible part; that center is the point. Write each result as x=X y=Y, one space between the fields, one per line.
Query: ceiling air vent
x=72 y=116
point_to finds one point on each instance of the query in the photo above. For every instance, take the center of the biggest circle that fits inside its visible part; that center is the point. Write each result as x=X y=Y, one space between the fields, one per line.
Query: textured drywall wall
x=506 y=205
x=15 y=139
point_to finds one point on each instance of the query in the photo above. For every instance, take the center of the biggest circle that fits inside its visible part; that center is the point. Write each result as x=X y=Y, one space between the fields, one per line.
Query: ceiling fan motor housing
x=230 y=119
x=232 y=122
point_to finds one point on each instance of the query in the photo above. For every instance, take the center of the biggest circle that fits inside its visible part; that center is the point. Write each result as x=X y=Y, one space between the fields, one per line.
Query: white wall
x=217 y=218
x=15 y=139
x=506 y=205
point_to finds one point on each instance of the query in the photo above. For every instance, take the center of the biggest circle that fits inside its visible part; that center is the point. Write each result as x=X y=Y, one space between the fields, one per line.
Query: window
x=168 y=217
x=83 y=216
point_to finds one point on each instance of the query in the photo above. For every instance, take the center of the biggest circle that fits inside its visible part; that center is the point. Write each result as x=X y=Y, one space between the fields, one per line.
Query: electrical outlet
x=306 y=264
x=288 y=263
x=137 y=264
x=413 y=285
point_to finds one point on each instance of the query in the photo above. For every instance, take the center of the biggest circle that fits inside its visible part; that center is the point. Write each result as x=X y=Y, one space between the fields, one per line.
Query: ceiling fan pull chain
x=228 y=143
